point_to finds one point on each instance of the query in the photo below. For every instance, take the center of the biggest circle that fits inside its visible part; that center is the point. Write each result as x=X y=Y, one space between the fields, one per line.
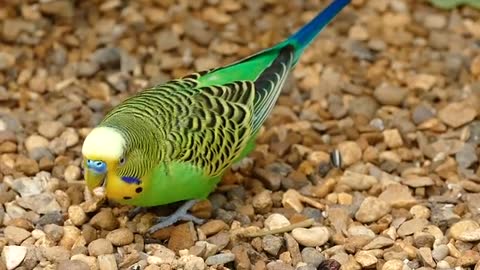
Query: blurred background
x=394 y=85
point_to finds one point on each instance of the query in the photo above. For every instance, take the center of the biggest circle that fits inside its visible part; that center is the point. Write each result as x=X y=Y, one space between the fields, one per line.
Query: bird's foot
x=179 y=215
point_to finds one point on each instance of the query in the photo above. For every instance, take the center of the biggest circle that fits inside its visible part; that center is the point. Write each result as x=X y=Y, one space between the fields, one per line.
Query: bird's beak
x=93 y=179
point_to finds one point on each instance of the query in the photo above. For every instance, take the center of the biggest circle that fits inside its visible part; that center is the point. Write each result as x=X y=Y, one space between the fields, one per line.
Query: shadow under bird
x=174 y=141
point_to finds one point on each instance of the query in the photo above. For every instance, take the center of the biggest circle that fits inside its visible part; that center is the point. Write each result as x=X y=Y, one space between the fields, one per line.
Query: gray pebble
x=51 y=218
x=220 y=259
x=314 y=213
x=440 y=252
x=96 y=104
x=453 y=65
x=54 y=231
x=474 y=132
x=466 y=156
x=422 y=113
x=217 y=200
x=359 y=50
x=107 y=57
x=59 y=56
x=224 y=215
x=272 y=244
x=312 y=256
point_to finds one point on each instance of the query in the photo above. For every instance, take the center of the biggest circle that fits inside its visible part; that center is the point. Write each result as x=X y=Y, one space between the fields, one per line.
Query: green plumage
x=181 y=136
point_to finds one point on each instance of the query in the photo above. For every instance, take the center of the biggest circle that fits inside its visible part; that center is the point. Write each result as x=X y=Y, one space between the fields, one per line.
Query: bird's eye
x=122 y=161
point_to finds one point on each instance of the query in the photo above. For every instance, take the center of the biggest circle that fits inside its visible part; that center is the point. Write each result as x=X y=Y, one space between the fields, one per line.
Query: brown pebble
x=183 y=236
x=120 y=237
x=203 y=209
x=16 y=234
x=26 y=165
x=242 y=261
x=163 y=233
x=56 y=253
x=293 y=248
x=213 y=227
x=100 y=247
x=104 y=220
x=107 y=262
x=73 y=265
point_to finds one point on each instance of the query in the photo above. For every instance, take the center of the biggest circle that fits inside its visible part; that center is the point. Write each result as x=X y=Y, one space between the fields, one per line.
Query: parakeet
x=174 y=141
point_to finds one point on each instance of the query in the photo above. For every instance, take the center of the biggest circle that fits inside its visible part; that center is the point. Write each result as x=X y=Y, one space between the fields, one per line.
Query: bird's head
x=110 y=162
x=103 y=151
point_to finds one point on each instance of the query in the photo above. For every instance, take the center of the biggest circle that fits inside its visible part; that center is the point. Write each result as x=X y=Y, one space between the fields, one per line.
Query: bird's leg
x=179 y=215
x=135 y=211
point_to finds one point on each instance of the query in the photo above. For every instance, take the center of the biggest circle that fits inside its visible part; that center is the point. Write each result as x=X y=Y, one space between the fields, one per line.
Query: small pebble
x=393 y=265
x=390 y=95
x=120 y=237
x=56 y=253
x=440 y=252
x=312 y=237
x=213 y=227
x=350 y=152
x=100 y=247
x=262 y=202
x=372 y=209
x=411 y=226
x=392 y=138
x=107 y=262
x=461 y=228
x=13 y=256
x=366 y=258
x=220 y=259
x=72 y=173
x=272 y=244
x=312 y=256
x=276 y=221
x=183 y=236
x=15 y=234
x=357 y=181
x=73 y=265
x=457 y=114
x=54 y=231
x=104 y=220
x=50 y=129
x=77 y=215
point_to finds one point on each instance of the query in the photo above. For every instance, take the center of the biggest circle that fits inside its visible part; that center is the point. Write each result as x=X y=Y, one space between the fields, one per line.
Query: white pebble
x=13 y=256
x=276 y=221
x=315 y=236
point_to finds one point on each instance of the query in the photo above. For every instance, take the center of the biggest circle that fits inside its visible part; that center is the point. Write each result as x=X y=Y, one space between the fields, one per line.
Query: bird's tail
x=305 y=35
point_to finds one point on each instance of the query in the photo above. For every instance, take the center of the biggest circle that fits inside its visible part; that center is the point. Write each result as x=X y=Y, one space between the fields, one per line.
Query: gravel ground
x=393 y=85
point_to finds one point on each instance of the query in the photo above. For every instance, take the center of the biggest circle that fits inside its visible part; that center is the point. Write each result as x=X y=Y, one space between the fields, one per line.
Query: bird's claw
x=179 y=215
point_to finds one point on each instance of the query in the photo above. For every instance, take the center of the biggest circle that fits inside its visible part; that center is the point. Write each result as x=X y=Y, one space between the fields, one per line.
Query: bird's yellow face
x=103 y=153
x=96 y=170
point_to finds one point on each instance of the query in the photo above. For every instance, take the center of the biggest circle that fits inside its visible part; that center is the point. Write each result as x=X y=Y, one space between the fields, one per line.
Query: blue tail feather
x=303 y=37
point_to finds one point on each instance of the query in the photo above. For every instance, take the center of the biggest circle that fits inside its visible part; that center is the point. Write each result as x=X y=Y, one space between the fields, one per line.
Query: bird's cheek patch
x=131 y=180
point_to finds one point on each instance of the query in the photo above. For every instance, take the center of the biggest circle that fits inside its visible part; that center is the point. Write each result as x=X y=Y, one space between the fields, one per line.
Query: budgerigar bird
x=173 y=142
